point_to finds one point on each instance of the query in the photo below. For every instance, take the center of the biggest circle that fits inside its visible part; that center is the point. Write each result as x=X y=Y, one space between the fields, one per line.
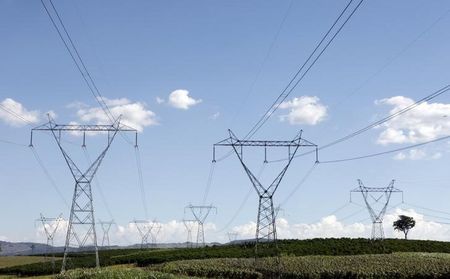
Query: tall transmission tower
x=232 y=236
x=50 y=226
x=81 y=230
x=189 y=225
x=200 y=213
x=144 y=228
x=383 y=194
x=106 y=226
x=265 y=226
x=154 y=231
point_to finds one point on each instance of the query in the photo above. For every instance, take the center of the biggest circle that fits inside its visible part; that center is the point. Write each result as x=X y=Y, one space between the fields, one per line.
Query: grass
x=11 y=261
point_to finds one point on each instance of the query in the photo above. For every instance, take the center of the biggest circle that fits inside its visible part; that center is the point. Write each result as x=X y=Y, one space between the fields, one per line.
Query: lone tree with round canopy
x=404 y=224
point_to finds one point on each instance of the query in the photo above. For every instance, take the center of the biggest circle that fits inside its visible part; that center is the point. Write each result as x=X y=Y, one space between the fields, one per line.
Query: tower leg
x=377 y=230
x=266 y=232
x=81 y=226
x=200 y=235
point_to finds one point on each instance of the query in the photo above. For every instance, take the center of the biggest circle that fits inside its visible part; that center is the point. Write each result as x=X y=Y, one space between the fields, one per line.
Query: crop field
x=315 y=258
x=397 y=265
x=20 y=260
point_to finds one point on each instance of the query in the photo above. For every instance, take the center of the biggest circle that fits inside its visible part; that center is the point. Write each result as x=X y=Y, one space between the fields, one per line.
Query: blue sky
x=215 y=53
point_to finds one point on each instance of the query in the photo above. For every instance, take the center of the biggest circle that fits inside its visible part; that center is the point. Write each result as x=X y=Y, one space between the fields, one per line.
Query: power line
x=209 y=182
x=288 y=89
x=49 y=177
x=302 y=181
x=141 y=181
x=377 y=124
x=385 y=152
x=12 y=143
x=74 y=54
x=391 y=116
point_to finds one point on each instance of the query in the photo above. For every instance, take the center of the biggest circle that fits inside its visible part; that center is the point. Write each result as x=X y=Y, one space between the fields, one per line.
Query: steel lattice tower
x=106 y=226
x=144 y=228
x=265 y=226
x=50 y=226
x=81 y=228
x=189 y=225
x=376 y=216
x=200 y=213
x=154 y=231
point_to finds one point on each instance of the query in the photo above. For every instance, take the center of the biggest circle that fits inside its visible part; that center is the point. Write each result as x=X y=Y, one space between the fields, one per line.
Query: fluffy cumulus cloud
x=329 y=226
x=304 y=110
x=15 y=114
x=134 y=114
x=426 y=122
x=180 y=99
x=417 y=154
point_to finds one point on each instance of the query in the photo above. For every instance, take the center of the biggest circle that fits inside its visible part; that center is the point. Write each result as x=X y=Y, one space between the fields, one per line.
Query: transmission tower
x=200 y=213
x=144 y=228
x=189 y=225
x=154 y=231
x=106 y=226
x=81 y=228
x=376 y=214
x=265 y=226
x=50 y=226
x=232 y=236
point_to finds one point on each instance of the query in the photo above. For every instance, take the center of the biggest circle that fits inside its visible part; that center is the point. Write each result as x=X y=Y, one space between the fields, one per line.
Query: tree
x=404 y=224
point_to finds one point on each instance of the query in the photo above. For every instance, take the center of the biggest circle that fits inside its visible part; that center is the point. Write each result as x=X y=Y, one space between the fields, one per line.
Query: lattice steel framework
x=50 y=226
x=376 y=215
x=154 y=232
x=265 y=226
x=144 y=228
x=106 y=227
x=189 y=225
x=200 y=213
x=81 y=228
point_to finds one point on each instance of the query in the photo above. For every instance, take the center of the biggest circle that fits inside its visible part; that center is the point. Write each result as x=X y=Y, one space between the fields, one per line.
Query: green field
x=397 y=265
x=314 y=258
x=20 y=260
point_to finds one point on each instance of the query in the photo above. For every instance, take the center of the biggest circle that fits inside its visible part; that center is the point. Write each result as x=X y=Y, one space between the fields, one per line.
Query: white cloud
x=330 y=226
x=16 y=115
x=134 y=114
x=304 y=110
x=215 y=116
x=426 y=122
x=180 y=99
x=417 y=154
x=159 y=100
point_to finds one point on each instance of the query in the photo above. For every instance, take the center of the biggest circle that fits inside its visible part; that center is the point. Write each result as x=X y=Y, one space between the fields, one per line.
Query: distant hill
x=30 y=248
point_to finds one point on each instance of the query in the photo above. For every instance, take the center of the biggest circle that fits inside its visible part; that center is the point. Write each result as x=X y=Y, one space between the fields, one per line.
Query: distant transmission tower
x=232 y=236
x=189 y=225
x=154 y=231
x=265 y=226
x=81 y=228
x=377 y=215
x=106 y=226
x=144 y=228
x=50 y=226
x=200 y=213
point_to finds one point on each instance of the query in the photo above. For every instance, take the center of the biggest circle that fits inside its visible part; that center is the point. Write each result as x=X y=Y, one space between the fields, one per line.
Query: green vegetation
x=287 y=248
x=20 y=260
x=343 y=246
x=117 y=273
x=397 y=265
